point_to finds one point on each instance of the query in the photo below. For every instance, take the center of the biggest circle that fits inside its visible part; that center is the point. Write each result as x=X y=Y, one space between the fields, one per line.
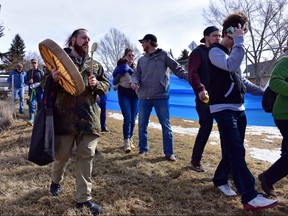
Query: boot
x=31 y=119
x=132 y=144
x=127 y=147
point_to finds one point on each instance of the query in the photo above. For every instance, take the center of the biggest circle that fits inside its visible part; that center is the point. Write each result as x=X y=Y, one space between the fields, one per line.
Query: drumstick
x=93 y=49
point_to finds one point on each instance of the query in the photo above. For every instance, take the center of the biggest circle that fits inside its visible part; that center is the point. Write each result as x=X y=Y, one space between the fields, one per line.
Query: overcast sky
x=176 y=23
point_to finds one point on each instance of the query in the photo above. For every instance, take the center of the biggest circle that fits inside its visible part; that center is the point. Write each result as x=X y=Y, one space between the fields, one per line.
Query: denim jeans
x=206 y=124
x=19 y=92
x=35 y=99
x=129 y=108
x=161 y=107
x=232 y=126
x=282 y=125
x=102 y=115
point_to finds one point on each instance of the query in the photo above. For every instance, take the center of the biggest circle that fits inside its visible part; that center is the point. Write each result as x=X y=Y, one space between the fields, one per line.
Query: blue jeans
x=232 y=126
x=161 y=107
x=35 y=99
x=206 y=124
x=129 y=108
x=19 y=92
x=102 y=115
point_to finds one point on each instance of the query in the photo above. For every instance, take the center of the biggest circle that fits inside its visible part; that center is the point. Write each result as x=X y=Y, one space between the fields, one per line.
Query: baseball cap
x=150 y=37
x=208 y=31
x=34 y=60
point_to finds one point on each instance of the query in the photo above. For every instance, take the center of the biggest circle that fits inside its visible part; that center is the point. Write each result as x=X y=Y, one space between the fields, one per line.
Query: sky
x=175 y=23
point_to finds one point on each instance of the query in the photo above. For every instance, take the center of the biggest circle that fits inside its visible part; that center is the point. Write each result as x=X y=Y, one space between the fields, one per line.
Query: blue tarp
x=182 y=104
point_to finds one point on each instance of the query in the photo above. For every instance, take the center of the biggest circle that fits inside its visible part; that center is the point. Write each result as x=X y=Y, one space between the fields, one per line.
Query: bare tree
x=267 y=28
x=111 y=49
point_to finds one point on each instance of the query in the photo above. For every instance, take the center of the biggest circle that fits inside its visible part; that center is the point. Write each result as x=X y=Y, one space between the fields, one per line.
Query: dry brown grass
x=124 y=184
x=6 y=114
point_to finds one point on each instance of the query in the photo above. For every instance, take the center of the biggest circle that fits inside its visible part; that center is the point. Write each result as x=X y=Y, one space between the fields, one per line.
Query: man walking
x=198 y=72
x=33 y=79
x=17 y=75
x=77 y=121
x=151 y=78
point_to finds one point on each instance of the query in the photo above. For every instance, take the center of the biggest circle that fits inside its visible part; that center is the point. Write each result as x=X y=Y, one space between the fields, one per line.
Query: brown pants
x=86 y=145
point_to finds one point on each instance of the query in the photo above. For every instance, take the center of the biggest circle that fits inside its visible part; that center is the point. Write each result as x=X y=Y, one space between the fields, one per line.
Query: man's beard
x=81 y=50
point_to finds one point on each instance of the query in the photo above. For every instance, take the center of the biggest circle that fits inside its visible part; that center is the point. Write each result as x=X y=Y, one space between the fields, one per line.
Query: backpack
x=268 y=100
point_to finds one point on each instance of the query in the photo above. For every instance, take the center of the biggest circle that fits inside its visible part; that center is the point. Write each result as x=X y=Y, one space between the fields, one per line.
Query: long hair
x=74 y=34
x=126 y=51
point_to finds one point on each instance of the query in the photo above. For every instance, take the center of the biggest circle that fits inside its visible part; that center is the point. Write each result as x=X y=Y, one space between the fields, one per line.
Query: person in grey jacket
x=152 y=79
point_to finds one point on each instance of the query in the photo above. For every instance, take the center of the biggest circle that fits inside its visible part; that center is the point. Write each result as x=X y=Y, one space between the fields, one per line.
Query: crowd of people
x=213 y=73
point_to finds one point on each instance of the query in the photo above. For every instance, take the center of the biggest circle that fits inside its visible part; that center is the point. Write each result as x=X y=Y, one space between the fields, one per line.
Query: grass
x=124 y=184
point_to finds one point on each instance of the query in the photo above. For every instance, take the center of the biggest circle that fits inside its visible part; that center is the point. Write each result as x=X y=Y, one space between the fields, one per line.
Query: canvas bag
x=42 y=143
x=268 y=100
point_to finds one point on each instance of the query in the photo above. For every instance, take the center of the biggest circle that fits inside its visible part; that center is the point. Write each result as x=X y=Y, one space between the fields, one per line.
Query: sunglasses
x=34 y=62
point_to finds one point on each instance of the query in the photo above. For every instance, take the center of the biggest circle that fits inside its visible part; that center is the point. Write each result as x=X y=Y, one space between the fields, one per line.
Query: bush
x=6 y=115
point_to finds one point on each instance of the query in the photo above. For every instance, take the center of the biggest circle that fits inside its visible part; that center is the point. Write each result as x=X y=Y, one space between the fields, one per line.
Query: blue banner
x=182 y=104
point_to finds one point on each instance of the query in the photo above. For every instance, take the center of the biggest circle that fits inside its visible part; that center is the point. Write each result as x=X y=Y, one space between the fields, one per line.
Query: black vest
x=225 y=87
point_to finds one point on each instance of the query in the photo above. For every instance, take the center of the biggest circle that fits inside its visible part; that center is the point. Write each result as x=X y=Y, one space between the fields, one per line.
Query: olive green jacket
x=80 y=114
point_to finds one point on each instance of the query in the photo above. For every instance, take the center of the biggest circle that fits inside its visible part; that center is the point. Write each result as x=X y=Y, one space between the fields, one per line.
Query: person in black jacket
x=198 y=78
x=33 y=79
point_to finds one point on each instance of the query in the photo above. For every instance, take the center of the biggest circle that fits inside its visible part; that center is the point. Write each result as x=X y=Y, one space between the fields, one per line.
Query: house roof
x=264 y=68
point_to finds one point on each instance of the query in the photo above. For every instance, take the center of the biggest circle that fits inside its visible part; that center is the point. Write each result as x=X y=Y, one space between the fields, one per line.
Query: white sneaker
x=127 y=147
x=259 y=202
x=227 y=190
x=132 y=144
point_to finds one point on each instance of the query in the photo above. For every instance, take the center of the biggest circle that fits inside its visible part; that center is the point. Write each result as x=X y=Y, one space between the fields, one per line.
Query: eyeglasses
x=130 y=55
x=34 y=62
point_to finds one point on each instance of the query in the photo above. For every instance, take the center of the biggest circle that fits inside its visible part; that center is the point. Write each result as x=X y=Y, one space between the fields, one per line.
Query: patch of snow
x=261 y=154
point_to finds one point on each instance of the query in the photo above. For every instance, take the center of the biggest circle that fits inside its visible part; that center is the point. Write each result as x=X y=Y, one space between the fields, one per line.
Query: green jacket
x=80 y=114
x=279 y=84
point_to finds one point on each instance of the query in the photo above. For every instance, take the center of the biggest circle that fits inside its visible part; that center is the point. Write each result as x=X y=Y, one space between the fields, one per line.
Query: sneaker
x=127 y=147
x=30 y=123
x=55 y=189
x=105 y=130
x=132 y=144
x=267 y=188
x=94 y=208
x=196 y=165
x=171 y=158
x=258 y=203
x=227 y=190
x=142 y=154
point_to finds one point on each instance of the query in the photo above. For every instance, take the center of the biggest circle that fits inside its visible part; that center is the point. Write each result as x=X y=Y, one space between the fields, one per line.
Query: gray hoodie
x=153 y=77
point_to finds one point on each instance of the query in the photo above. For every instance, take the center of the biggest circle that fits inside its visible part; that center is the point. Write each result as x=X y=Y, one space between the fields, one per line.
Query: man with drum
x=76 y=119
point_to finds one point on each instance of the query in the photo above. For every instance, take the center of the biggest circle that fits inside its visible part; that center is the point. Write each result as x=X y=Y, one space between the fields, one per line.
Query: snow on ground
x=261 y=154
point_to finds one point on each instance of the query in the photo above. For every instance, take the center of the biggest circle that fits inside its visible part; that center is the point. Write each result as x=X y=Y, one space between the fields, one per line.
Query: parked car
x=4 y=86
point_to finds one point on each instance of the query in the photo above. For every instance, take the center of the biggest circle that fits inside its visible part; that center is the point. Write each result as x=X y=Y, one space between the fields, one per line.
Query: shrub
x=6 y=115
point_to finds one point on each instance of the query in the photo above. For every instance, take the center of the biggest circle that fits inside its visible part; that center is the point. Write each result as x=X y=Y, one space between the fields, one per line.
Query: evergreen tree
x=1 y=35
x=1 y=30
x=17 y=49
x=15 y=54
x=184 y=55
